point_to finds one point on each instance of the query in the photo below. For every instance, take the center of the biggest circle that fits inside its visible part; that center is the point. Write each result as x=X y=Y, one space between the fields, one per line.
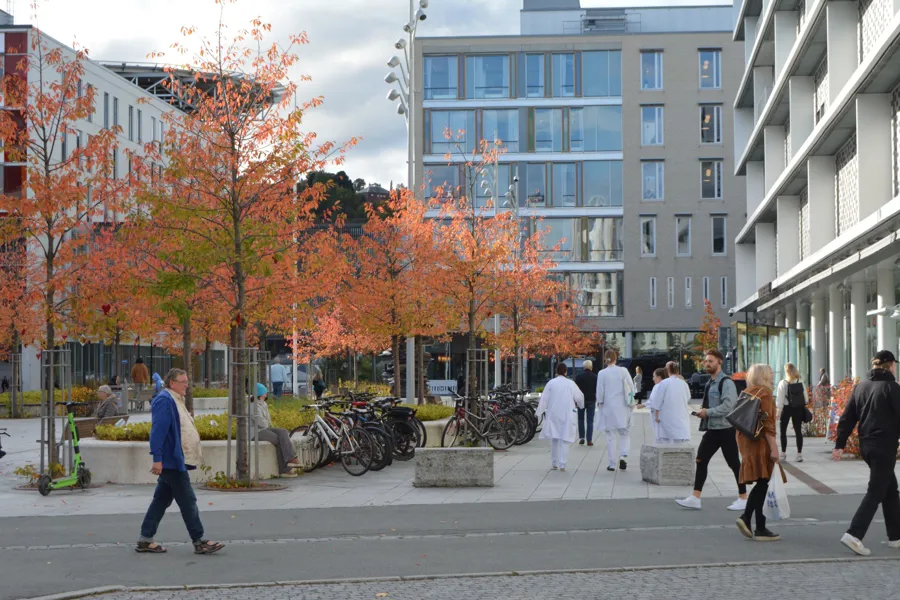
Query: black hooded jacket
x=875 y=405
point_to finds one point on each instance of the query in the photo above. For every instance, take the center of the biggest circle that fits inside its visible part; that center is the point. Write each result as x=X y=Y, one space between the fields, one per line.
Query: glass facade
x=452 y=131
x=441 y=76
x=774 y=346
x=487 y=76
x=602 y=73
x=503 y=126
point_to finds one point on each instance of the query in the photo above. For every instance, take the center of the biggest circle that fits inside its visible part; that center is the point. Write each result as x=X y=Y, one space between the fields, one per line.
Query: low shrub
x=431 y=412
x=210 y=427
x=201 y=392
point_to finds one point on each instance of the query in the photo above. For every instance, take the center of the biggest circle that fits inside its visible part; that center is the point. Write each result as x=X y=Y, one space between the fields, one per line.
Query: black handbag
x=747 y=416
x=807 y=415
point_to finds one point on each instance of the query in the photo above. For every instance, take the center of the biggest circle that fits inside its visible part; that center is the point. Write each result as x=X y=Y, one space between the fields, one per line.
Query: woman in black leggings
x=792 y=399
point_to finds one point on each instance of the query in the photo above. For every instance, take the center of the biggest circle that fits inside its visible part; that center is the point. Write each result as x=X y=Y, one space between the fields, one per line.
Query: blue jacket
x=165 y=432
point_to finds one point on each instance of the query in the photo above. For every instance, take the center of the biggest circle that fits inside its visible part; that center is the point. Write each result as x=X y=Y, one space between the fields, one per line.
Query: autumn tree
x=243 y=148
x=68 y=181
x=708 y=338
x=560 y=333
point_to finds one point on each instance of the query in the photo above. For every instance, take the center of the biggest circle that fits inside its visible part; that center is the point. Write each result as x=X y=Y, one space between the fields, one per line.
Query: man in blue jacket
x=175 y=446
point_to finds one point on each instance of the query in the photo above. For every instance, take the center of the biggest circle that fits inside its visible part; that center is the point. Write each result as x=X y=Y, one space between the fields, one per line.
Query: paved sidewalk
x=805 y=581
x=521 y=474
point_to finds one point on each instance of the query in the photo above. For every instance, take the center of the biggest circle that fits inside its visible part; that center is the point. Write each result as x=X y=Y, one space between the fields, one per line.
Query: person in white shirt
x=791 y=400
x=615 y=404
x=674 y=414
x=559 y=404
x=276 y=376
x=652 y=403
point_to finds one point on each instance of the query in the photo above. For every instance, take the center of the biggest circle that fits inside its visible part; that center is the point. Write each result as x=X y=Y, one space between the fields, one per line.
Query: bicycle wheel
x=404 y=437
x=522 y=427
x=316 y=445
x=382 y=447
x=423 y=435
x=500 y=431
x=450 y=436
x=529 y=422
x=356 y=451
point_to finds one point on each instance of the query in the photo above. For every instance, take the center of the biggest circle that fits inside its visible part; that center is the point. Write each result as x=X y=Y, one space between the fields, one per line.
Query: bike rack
x=251 y=369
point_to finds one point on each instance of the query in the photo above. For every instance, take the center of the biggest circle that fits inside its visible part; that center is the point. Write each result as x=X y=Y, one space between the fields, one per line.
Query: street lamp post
x=404 y=92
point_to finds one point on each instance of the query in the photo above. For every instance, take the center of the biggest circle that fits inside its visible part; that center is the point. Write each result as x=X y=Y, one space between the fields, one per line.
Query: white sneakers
x=856 y=545
x=694 y=503
x=690 y=502
x=739 y=504
x=895 y=544
x=799 y=458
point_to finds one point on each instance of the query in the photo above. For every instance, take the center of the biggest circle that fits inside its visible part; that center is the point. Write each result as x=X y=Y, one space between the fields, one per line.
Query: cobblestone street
x=838 y=580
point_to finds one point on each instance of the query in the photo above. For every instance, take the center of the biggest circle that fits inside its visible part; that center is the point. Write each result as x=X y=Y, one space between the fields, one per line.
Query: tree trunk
x=49 y=405
x=420 y=369
x=188 y=363
x=117 y=357
x=207 y=359
x=395 y=352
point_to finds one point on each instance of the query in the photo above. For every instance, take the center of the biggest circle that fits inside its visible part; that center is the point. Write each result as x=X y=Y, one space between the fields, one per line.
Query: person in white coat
x=674 y=415
x=652 y=403
x=559 y=403
x=615 y=404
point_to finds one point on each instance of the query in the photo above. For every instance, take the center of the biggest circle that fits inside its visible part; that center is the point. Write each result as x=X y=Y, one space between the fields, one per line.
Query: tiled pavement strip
x=521 y=474
x=826 y=580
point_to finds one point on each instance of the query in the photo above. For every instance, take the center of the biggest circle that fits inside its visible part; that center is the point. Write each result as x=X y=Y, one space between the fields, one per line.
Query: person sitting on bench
x=109 y=403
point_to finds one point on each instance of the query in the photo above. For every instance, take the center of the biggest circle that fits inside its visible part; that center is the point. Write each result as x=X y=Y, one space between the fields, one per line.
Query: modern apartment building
x=616 y=125
x=817 y=117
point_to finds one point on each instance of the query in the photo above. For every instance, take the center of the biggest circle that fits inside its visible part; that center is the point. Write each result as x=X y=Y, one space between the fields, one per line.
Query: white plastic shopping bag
x=777 y=506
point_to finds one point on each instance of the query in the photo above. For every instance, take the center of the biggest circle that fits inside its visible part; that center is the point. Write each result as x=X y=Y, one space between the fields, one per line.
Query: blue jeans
x=277 y=387
x=588 y=411
x=173 y=485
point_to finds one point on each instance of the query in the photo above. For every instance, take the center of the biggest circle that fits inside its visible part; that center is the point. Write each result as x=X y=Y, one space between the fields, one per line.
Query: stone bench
x=454 y=467
x=663 y=464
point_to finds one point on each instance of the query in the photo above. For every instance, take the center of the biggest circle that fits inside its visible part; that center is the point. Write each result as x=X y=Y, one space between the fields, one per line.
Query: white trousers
x=624 y=436
x=559 y=453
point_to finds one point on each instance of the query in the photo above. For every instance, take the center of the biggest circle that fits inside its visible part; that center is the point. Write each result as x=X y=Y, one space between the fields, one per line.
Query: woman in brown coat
x=758 y=457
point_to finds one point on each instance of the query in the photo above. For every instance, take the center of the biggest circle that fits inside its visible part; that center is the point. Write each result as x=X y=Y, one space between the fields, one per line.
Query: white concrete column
x=31 y=368
x=886 y=326
x=743 y=127
x=773 y=137
x=751 y=25
x=780 y=319
x=762 y=87
x=629 y=344
x=765 y=254
x=788 y=215
x=820 y=175
x=836 y=361
x=817 y=323
x=785 y=35
x=874 y=152
x=756 y=184
x=745 y=263
x=858 y=354
x=803 y=118
x=803 y=311
x=841 y=20
x=790 y=315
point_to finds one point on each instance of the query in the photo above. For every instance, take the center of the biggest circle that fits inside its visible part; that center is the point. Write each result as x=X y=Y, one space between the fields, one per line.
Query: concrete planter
x=668 y=464
x=130 y=462
x=454 y=467
x=210 y=403
x=433 y=431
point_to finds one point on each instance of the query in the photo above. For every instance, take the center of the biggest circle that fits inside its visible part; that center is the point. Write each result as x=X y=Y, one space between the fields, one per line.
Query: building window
x=91 y=109
x=651 y=70
x=534 y=75
x=653 y=292
x=115 y=113
x=487 y=76
x=140 y=126
x=711 y=124
x=559 y=238
x=63 y=146
x=688 y=294
x=602 y=183
x=130 y=123
x=670 y=291
x=648 y=236
x=441 y=76
x=602 y=74
x=711 y=179
x=115 y=163
x=459 y=125
x=486 y=189
x=105 y=110
x=683 y=236
x=605 y=239
x=564 y=186
x=711 y=69
x=719 y=234
x=724 y=292
x=598 y=294
x=536 y=184
x=595 y=129
x=152 y=129
x=706 y=289
x=651 y=126
x=78 y=148
x=563 y=75
x=653 y=173
x=548 y=130
x=441 y=181
x=502 y=125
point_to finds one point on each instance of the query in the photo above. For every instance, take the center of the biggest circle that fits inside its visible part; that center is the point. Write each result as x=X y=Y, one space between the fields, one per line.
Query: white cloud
x=350 y=44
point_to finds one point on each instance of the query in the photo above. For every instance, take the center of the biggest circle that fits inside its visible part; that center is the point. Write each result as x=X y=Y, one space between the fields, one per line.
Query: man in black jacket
x=875 y=406
x=587 y=383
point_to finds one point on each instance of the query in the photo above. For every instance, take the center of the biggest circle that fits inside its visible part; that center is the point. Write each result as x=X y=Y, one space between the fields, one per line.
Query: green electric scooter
x=80 y=476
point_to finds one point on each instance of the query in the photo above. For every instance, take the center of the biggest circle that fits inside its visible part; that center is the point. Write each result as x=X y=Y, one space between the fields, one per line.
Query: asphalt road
x=40 y=555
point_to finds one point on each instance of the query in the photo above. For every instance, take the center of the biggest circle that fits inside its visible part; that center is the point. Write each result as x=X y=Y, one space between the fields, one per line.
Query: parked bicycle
x=331 y=438
x=497 y=428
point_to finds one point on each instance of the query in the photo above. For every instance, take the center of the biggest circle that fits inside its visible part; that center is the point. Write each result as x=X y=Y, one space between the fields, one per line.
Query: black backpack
x=795 y=397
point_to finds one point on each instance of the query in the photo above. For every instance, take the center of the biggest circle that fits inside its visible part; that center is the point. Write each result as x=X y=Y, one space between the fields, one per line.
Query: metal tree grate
x=847 y=186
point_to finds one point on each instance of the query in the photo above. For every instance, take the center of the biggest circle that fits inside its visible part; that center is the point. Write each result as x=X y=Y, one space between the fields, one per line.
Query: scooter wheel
x=84 y=477
x=44 y=484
